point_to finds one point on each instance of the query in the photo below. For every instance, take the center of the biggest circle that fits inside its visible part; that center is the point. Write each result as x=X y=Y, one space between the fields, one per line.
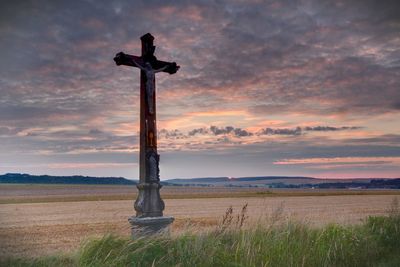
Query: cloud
x=330 y=128
x=200 y=131
x=229 y=130
x=241 y=53
x=239 y=132
x=313 y=65
x=214 y=130
x=388 y=139
x=342 y=162
x=299 y=130
x=171 y=134
x=95 y=132
x=282 y=131
x=5 y=131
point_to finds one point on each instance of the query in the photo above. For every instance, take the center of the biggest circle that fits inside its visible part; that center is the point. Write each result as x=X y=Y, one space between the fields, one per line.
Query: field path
x=45 y=228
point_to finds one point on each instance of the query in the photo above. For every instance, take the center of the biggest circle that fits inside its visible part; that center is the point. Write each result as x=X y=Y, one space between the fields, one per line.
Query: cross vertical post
x=149 y=206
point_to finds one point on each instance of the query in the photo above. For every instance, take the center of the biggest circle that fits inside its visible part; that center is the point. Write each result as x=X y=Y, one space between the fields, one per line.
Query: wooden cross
x=149 y=202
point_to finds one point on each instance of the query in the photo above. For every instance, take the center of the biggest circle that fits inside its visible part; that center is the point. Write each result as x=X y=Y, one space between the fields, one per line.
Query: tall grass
x=376 y=242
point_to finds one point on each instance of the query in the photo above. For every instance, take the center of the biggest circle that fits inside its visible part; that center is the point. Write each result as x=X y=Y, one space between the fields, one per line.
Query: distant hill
x=47 y=179
x=259 y=181
x=288 y=182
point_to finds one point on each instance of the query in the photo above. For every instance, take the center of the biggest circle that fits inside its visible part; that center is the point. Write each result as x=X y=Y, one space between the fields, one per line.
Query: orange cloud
x=206 y=118
x=89 y=165
x=342 y=161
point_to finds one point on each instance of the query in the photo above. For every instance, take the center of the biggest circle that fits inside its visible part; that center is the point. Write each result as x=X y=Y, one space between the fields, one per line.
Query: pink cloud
x=341 y=161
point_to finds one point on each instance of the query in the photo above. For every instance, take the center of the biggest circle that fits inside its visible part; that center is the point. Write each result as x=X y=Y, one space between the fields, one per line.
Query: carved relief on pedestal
x=139 y=203
x=153 y=170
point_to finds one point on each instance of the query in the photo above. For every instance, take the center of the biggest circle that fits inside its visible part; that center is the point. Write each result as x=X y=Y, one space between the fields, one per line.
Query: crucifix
x=149 y=206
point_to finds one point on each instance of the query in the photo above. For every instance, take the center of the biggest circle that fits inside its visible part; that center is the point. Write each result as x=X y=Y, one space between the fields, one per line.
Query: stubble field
x=38 y=220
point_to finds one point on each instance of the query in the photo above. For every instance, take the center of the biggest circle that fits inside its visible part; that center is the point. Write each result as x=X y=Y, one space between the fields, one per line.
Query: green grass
x=57 y=260
x=376 y=242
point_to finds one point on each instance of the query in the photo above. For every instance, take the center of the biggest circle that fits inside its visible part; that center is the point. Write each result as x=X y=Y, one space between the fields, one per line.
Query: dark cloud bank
x=239 y=132
x=282 y=54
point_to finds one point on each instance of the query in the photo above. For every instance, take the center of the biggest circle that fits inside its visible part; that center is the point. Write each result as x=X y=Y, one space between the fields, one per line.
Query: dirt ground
x=33 y=229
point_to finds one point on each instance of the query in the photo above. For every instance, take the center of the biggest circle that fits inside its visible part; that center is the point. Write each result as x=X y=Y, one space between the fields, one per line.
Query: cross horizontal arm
x=171 y=66
x=128 y=60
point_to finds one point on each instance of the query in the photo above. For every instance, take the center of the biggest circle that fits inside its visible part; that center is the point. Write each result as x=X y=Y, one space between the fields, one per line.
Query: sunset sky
x=308 y=88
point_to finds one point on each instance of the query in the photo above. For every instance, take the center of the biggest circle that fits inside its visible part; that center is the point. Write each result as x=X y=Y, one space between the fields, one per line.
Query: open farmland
x=59 y=218
x=42 y=193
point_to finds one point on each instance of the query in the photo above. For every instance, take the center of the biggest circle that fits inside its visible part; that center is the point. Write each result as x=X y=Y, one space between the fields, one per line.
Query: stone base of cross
x=141 y=227
x=149 y=206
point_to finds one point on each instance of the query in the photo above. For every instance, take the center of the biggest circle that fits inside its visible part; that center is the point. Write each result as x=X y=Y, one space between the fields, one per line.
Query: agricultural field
x=37 y=220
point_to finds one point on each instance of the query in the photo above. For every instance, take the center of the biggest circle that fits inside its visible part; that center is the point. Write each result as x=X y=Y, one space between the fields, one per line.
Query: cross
x=148 y=202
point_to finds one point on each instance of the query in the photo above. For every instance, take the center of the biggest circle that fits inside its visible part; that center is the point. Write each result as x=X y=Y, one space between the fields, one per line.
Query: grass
x=271 y=242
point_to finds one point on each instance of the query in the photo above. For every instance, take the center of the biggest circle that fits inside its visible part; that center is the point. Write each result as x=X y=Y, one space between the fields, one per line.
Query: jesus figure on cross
x=150 y=75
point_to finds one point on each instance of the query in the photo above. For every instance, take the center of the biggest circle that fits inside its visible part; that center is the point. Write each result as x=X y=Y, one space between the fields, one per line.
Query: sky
x=293 y=88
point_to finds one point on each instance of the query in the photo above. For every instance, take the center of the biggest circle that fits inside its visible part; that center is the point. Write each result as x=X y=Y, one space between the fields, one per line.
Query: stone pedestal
x=149 y=206
x=149 y=202
x=142 y=227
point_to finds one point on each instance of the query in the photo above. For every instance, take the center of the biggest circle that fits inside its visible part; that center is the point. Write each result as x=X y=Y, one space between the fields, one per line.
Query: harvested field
x=43 y=193
x=32 y=229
